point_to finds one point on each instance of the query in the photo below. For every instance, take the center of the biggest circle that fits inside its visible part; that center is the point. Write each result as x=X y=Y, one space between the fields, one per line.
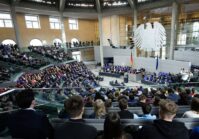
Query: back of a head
x=195 y=104
x=170 y=91
x=112 y=126
x=123 y=104
x=142 y=98
x=74 y=106
x=24 y=98
x=108 y=103
x=99 y=108
x=146 y=109
x=167 y=107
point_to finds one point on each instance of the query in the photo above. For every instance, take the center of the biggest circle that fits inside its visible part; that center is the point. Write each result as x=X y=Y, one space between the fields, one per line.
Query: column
x=16 y=27
x=63 y=34
x=174 y=24
x=101 y=40
x=134 y=28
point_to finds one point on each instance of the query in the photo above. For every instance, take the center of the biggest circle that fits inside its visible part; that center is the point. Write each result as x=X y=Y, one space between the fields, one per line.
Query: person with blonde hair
x=99 y=110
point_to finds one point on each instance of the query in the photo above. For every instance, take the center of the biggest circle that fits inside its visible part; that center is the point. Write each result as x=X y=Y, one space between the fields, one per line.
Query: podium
x=135 y=77
x=126 y=77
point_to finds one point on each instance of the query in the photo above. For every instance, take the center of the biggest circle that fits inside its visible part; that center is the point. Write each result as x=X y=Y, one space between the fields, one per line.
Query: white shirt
x=190 y=114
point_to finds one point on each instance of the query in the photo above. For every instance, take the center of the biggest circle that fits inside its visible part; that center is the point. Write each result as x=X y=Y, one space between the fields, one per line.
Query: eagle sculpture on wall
x=150 y=36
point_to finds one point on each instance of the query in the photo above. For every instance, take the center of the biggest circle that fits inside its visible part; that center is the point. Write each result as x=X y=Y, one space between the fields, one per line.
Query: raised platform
x=135 y=77
x=148 y=82
x=109 y=74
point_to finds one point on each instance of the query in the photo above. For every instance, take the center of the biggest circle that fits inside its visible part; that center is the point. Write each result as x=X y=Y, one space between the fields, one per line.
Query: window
x=73 y=24
x=196 y=26
x=5 y=20
x=163 y=52
x=35 y=42
x=54 y=23
x=195 y=34
x=8 y=41
x=57 y=41
x=164 y=40
x=182 y=39
x=32 y=21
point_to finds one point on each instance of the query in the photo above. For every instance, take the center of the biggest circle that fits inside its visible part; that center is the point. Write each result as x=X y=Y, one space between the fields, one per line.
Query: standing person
x=27 y=123
x=165 y=127
x=113 y=128
x=75 y=128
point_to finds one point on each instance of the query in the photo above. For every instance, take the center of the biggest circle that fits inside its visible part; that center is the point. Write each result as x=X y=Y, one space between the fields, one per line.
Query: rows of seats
x=163 y=78
x=120 y=70
x=4 y=74
x=99 y=123
x=11 y=53
x=74 y=74
x=55 y=53
x=53 y=111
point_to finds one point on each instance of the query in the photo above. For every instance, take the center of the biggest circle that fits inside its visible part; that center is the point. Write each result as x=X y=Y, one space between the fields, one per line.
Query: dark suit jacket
x=125 y=114
x=75 y=129
x=29 y=124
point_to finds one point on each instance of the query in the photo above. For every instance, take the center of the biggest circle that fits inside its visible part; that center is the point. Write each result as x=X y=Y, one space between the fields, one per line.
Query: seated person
x=27 y=123
x=142 y=100
x=99 y=110
x=194 y=112
x=165 y=127
x=113 y=128
x=75 y=128
x=146 y=109
x=124 y=113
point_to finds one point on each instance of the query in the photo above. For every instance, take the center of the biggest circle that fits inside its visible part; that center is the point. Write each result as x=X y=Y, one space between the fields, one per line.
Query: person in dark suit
x=27 y=123
x=124 y=113
x=165 y=127
x=75 y=128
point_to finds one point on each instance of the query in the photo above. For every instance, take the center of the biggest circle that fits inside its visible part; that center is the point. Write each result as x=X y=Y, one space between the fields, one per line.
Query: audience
x=146 y=109
x=5 y=74
x=75 y=128
x=27 y=123
x=89 y=101
x=74 y=74
x=142 y=100
x=165 y=127
x=11 y=53
x=99 y=110
x=6 y=103
x=194 y=112
x=113 y=128
x=124 y=113
x=163 y=78
x=173 y=96
x=52 y=52
x=121 y=69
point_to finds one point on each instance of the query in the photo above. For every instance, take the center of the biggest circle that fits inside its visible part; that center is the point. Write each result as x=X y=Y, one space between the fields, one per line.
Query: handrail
x=7 y=92
x=19 y=108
